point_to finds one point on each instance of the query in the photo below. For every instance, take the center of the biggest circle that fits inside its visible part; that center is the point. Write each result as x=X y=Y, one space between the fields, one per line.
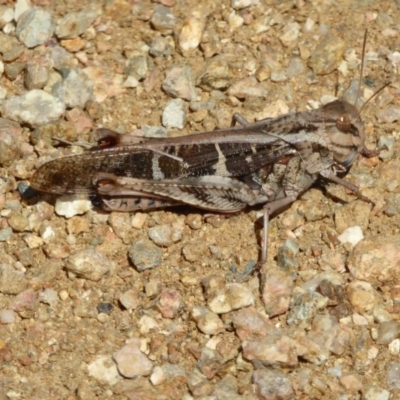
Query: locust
x=270 y=163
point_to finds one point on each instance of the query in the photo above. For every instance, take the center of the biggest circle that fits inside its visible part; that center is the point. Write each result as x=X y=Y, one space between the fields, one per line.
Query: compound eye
x=350 y=159
x=343 y=123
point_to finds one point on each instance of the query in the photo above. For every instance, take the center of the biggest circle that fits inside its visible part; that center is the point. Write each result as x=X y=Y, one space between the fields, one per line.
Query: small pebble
x=160 y=47
x=279 y=75
x=163 y=20
x=311 y=348
x=152 y=288
x=306 y=307
x=69 y=205
x=104 y=308
x=37 y=75
x=274 y=109
x=351 y=382
x=389 y=115
x=376 y=258
x=380 y=314
x=327 y=330
x=164 y=235
x=167 y=373
x=275 y=350
x=387 y=332
x=277 y=291
x=138 y=220
x=361 y=295
x=138 y=66
x=5 y=234
x=239 y=4
x=148 y=324
x=194 y=221
x=74 y=45
x=250 y=323
x=327 y=55
x=295 y=67
x=35 y=27
x=121 y=224
x=286 y=258
x=351 y=235
x=27 y=300
x=131 y=82
x=271 y=385
x=17 y=221
x=7 y=316
x=49 y=296
x=232 y=297
x=227 y=386
x=263 y=72
x=104 y=370
x=374 y=392
x=13 y=70
x=60 y=58
x=247 y=87
x=393 y=375
x=145 y=255
x=74 y=24
x=356 y=213
x=10 y=131
x=198 y=384
x=208 y=322
x=169 y=303
x=89 y=264
x=179 y=82
x=35 y=107
x=10 y=48
x=130 y=299
x=75 y=89
x=12 y=281
x=290 y=33
x=394 y=347
x=218 y=73
x=131 y=362
x=190 y=35
x=209 y=362
x=174 y=114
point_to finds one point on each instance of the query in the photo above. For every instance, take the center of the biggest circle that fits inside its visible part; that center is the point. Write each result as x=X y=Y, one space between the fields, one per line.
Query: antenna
x=361 y=69
x=377 y=92
x=361 y=75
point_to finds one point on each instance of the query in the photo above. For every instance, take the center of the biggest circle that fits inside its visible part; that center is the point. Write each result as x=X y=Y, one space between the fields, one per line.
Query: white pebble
x=7 y=316
x=208 y=322
x=148 y=324
x=174 y=114
x=89 y=263
x=191 y=33
x=104 y=370
x=352 y=235
x=231 y=297
x=68 y=206
x=131 y=362
x=138 y=220
x=394 y=347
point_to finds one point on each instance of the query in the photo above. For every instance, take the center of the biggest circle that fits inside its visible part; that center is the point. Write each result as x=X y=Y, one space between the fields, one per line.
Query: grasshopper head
x=346 y=131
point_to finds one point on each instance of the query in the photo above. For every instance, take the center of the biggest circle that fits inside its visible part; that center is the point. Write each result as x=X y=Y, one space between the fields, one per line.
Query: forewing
x=222 y=153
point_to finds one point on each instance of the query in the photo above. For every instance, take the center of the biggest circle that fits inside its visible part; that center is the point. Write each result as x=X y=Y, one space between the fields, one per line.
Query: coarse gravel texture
x=167 y=304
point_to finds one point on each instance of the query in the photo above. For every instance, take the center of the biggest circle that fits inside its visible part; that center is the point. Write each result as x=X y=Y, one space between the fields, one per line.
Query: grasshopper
x=270 y=162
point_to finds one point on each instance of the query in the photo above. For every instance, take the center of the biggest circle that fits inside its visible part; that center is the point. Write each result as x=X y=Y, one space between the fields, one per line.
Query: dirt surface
x=67 y=323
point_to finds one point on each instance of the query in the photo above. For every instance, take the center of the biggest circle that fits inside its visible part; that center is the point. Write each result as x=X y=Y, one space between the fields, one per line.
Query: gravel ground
x=166 y=304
